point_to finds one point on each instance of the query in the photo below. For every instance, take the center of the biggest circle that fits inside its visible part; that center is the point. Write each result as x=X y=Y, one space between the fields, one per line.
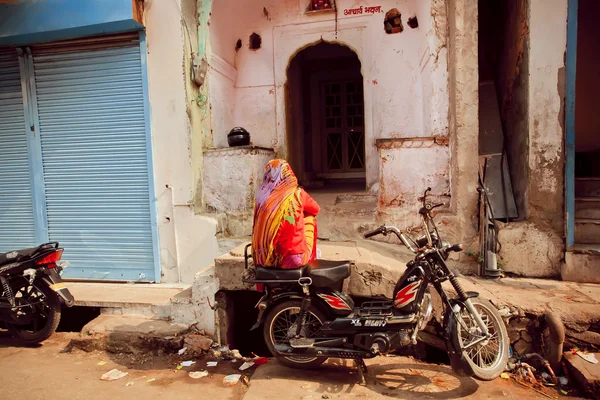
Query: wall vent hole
x=393 y=21
x=255 y=41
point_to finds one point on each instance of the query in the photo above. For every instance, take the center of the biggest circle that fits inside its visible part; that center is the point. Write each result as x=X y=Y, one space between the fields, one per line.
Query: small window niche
x=320 y=6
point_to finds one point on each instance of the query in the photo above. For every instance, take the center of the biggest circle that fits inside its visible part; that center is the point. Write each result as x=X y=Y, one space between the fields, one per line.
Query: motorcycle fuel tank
x=410 y=288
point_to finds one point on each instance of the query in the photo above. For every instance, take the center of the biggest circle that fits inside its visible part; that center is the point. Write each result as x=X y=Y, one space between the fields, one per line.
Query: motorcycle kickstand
x=361 y=367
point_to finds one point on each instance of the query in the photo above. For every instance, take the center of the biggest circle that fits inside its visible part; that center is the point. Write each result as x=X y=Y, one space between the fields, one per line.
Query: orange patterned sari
x=278 y=200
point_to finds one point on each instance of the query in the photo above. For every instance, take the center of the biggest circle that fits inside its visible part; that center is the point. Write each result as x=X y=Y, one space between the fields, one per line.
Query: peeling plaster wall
x=546 y=123
x=407 y=169
x=405 y=74
x=535 y=247
x=171 y=96
x=464 y=124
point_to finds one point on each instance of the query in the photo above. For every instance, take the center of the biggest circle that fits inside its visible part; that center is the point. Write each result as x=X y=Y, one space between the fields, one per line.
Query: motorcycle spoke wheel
x=487 y=354
x=284 y=326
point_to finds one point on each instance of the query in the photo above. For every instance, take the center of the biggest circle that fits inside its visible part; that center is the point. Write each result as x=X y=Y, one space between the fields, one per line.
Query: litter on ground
x=101 y=363
x=246 y=365
x=211 y=364
x=589 y=357
x=182 y=351
x=260 y=361
x=113 y=375
x=198 y=374
x=232 y=380
x=187 y=363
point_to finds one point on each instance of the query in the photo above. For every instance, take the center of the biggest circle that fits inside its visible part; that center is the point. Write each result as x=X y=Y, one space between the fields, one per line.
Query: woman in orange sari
x=285 y=230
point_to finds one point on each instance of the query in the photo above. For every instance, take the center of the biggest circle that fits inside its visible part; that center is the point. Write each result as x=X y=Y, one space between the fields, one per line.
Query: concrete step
x=582 y=264
x=131 y=334
x=587 y=231
x=355 y=198
x=148 y=300
x=587 y=187
x=587 y=207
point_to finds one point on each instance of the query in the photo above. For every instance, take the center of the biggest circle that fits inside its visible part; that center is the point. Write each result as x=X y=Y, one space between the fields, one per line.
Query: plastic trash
x=129 y=384
x=232 y=380
x=260 y=361
x=246 y=365
x=198 y=374
x=589 y=357
x=182 y=351
x=236 y=354
x=563 y=381
x=151 y=380
x=101 y=363
x=211 y=364
x=187 y=363
x=113 y=375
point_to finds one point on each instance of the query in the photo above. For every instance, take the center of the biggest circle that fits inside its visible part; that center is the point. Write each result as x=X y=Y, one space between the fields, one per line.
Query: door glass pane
x=334 y=151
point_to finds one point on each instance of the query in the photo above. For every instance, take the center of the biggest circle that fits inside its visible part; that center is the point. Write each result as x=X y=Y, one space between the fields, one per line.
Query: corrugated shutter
x=17 y=228
x=90 y=103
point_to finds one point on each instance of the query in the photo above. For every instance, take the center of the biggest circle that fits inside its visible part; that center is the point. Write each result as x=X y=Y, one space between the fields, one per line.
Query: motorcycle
x=307 y=319
x=32 y=292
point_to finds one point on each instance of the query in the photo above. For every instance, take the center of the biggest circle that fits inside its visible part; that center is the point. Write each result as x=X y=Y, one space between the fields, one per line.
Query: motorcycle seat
x=4 y=259
x=322 y=272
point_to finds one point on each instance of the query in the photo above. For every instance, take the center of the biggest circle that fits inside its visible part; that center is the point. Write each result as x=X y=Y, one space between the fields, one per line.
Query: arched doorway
x=325 y=117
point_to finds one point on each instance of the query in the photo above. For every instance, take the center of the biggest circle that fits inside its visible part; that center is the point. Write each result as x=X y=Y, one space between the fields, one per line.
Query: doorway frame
x=571 y=67
x=289 y=40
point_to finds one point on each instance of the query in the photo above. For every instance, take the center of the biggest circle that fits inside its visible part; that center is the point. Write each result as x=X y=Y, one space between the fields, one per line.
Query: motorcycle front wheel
x=487 y=358
x=280 y=326
x=42 y=304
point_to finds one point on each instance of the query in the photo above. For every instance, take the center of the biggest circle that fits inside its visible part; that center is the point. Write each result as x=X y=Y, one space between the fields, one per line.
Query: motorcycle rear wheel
x=46 y=313
x=280 y=326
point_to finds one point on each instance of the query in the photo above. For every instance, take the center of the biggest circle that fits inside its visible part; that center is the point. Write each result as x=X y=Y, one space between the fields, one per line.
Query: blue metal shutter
x=90 y=101
x=17 y=228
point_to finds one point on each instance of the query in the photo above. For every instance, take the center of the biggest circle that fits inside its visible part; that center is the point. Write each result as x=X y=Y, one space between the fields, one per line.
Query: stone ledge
x=239 y=150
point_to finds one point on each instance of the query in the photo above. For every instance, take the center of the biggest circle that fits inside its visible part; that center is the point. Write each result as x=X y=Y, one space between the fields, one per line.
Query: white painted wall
x=405 y=74
x=232 y=177
x=181 y=236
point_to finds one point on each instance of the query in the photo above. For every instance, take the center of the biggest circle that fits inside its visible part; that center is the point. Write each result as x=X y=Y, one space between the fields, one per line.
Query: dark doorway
x=587 y=127
x=325 y=115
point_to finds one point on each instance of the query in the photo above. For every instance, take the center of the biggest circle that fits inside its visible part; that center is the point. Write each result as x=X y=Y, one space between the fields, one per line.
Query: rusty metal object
x=556 y=340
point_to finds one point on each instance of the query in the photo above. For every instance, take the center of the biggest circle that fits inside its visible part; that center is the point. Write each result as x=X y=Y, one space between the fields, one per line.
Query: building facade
x=390 y=98
x=119 y=123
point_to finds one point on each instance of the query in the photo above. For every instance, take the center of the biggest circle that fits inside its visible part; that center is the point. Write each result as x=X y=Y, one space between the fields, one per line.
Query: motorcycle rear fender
x=266 y=302
x=52 y=278
x=457 y=359
x=270 y=301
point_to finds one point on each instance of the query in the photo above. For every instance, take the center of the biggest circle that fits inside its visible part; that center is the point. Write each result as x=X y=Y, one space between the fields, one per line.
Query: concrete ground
x=388 y=378
x=47 y=372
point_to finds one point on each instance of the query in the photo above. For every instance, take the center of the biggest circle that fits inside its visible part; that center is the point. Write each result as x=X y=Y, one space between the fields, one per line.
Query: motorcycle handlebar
x=375 y=232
